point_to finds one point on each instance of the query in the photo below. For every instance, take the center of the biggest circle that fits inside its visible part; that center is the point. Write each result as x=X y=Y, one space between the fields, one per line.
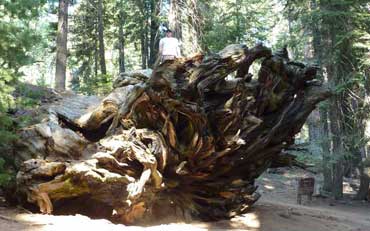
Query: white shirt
x=169 y=46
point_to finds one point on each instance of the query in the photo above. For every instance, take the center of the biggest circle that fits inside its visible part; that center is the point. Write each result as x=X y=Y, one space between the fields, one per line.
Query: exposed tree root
x=189 y=136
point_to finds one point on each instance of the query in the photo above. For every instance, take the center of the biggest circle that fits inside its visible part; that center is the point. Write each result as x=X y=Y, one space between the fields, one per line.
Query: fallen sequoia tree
x=186 y=137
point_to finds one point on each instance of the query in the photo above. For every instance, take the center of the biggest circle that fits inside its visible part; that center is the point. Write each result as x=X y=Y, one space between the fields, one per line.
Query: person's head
x=168 y=33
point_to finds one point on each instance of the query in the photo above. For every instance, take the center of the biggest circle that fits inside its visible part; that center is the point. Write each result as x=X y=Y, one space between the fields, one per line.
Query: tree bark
x=121 y=39
x=154 y=26
x=61 y=56
x=193 y=28
x=96 y=49
x=323 y=111
x=325 y=146
x=144 y=48
x=339 y=65
x=103 y=67
x=314 y=133
x=364 y=190
x=338 y=151
x=186 y=21
x=174 y=19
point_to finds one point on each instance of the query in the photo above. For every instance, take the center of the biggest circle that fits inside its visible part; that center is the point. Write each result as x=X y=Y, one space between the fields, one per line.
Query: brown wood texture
x=191 y=136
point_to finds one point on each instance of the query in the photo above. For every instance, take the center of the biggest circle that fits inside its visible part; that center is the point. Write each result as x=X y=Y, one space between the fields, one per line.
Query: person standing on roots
x=169 y=47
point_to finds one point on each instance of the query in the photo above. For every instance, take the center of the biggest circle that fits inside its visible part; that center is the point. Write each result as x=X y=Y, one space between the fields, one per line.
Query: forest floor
x=276 y=210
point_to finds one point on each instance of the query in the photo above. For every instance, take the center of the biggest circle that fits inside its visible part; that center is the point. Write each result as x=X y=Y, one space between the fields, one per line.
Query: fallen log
x=191 y=136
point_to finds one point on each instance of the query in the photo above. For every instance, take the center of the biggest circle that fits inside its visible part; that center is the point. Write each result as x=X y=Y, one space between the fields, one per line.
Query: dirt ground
x=275 y=211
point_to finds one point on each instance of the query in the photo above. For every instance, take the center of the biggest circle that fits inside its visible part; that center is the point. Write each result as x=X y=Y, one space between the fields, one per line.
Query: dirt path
x=276 y=211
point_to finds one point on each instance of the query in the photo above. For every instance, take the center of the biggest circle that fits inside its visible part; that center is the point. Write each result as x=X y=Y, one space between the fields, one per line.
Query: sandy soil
x=275 y=211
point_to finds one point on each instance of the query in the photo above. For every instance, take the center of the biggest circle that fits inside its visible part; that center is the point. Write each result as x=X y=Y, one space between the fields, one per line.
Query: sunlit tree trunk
x=174 y=18
x=61 y=57
x=186 y=21
x=195 y=25
x=103 y=67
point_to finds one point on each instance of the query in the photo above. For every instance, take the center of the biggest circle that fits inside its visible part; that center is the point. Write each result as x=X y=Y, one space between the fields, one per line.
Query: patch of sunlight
x=63 y=223
x=248 y=220
x=179 y=226
x=79 y=222
x=266 y=179
x=348 y=189
x=270 y=187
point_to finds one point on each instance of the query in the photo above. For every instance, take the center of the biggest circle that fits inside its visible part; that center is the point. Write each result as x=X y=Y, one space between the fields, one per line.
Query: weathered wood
x=190 y=137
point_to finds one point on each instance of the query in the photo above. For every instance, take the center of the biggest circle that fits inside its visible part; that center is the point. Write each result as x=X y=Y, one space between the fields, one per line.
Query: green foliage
x=225 y=22
x=84 y=59
x=17 y=38
x=7 y=79
x=6 y=101
x=16 y=33
x=241 y=21
x=99 y=85
x=6 y=177
x=6 y=123
x=309 y=159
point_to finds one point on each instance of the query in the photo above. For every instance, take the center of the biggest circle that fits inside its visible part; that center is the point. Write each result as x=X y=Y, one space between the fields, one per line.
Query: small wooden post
x=305 y=186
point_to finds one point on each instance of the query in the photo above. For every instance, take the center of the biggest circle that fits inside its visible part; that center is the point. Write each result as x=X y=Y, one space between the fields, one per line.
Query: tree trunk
x=338 y=151
x=61 y=57
x=313 y=123
x=323 y=111
x=96 y=49
x=154 y=26
x=192 y=28
x=325 y=146
x=121 y=39
x=339 y=66
x=146 y=47
x=336 y=128
x=143 y=50
x=103 y=67
x=186 y=138
x=364 y=190
x=174 y=19
x=186 y=21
